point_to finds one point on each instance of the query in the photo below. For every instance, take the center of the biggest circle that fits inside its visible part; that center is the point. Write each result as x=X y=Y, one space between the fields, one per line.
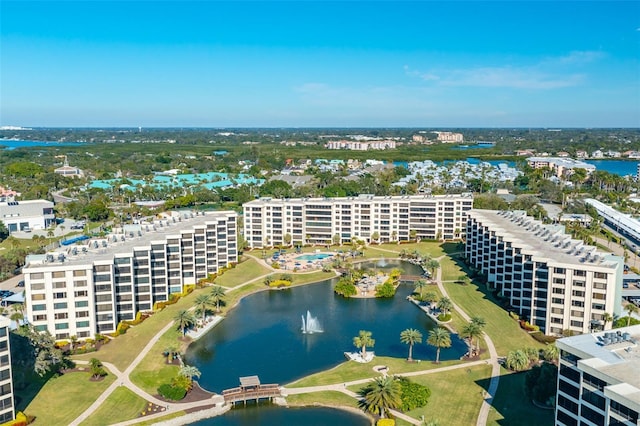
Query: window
x=82 y=324
x=39 y=307
x=37 y=276
x=60 y=295
x=62 y=326
x=37 y=297
x=39 y=286
x=82 y=303
x=57 y=274
x=79 y=273
x=61 y=315
x=82 y=293
x=81 y=283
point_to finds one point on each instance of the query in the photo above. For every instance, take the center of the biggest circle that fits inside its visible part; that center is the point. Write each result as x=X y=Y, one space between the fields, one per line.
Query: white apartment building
x=7 y=409
x=27 y=215
x=599 y=379
x=268 y=221
x=450 y=137
x=86 y=289
x=551 y=280
x=361 y=145
x=561 y=167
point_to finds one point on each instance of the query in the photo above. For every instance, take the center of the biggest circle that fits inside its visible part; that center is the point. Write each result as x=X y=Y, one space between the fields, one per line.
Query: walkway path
x=215 y=405
x=495 y=366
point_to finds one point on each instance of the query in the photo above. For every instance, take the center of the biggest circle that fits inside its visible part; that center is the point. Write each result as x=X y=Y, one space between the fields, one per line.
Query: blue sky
x=320 y=64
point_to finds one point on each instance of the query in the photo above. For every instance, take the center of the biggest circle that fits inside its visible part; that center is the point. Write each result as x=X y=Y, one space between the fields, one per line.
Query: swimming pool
x=316 y=256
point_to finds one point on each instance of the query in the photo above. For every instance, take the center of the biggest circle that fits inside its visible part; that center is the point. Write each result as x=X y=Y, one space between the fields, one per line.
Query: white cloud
x=550 y=73
x=581 y=57
x=518 y=78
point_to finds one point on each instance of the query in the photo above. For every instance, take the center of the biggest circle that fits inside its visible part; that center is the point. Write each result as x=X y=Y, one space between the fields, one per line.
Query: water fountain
x=382 y=263
x=311 y=325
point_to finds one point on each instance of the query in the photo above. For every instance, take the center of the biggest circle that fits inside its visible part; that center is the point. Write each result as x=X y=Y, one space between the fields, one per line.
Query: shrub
x=280 y=283
x=171 y=393
x=386 y=290
x=414 y=395
x=345 y=288
x=444 y=317
x=122 y=328
x=514 y=316
x=543 y=338
x=386 y=422
x=528 y=326
x=20 y=420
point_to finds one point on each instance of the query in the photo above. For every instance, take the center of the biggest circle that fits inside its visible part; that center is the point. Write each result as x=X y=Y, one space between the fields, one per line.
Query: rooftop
x=124 y=240
x=361 y=197
x=547 y=241
x=619 y=360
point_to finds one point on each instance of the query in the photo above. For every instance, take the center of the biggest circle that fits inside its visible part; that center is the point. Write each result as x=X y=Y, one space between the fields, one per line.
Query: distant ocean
x=13 y=144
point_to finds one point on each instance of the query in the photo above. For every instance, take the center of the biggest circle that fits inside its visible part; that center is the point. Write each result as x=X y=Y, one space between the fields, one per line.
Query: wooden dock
x=251 y=389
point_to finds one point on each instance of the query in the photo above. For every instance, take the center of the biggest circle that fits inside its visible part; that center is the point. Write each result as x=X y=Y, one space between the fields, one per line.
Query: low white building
x=27 y=215
x=561 y=167
x=599 y=379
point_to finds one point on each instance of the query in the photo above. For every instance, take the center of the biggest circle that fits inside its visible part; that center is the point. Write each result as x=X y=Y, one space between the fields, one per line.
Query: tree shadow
x=26 y=383
x=512 y=405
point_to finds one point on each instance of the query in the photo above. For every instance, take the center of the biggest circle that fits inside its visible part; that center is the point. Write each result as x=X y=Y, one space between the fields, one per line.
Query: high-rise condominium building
x=7 y=410
x=551 y=280
x=599 y=379
x=81 y=290
x=298 y=221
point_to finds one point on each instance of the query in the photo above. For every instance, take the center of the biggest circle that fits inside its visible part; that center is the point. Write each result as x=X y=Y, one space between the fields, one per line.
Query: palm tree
x=430 y=297
x=184 y=319
x=631 y=309
x=410 y=336
x=202 y=304
x=479 y=321
x=606 y=318
x=445 y=304
x=517 y=360
x=190 y=371
x=472 y=331
x=217 y=293
x=440 y=338
x=381 y=395
x=362 y=340
x=420 y=285
x=432 y=265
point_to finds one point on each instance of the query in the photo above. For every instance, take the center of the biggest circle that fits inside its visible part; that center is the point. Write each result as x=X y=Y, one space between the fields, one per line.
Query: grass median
x=121 y=405
x=62 y=399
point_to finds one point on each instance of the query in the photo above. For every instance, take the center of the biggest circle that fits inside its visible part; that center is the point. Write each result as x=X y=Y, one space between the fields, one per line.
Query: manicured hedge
x=172 y=393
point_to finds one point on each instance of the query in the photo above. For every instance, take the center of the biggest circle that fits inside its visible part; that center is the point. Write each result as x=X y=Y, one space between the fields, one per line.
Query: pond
x=263 y=334
x=271 y=415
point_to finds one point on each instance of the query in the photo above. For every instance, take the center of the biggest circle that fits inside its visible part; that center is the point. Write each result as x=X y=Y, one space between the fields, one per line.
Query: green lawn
x=121 y=405
x=512 y=407
x=246 y=270
x=328 y=398
x=503 y=330
x=456 y=396
x=64 y=398
x=122 y=350
x=349 y=371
